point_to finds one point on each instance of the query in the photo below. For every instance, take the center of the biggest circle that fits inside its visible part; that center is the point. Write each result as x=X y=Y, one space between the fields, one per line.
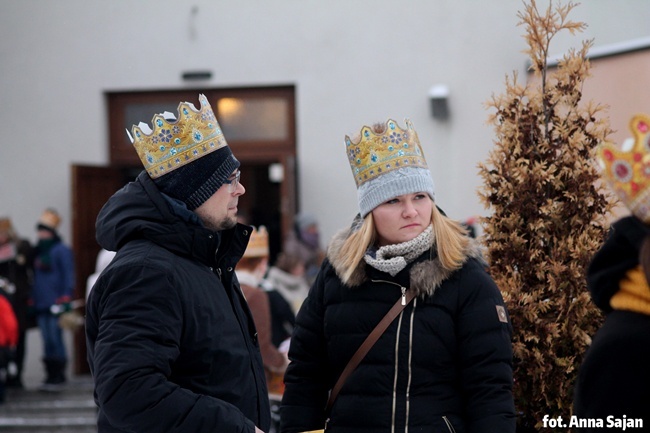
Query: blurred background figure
x=16 y=268
x=54 y=274
x=287 y=277
x=304 y=241
x=250 y=272
x=104 y=257
x=263 y=303
x=8 y=333
x=471 y=225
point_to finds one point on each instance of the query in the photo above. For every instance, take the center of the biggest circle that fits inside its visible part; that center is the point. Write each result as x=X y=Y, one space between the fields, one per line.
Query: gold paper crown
x=376 y=154
x=176 y=142
x=258 y=245
x=627 y=170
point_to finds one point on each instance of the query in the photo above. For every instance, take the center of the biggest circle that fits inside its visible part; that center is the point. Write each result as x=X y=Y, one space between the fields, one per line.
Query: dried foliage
x=547 y=214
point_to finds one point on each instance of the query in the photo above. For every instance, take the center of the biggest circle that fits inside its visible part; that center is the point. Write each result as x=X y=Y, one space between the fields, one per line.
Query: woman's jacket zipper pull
x=403 y=295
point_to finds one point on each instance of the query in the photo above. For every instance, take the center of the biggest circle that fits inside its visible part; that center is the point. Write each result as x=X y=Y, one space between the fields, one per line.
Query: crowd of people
x=37 y=283
x=395 y=326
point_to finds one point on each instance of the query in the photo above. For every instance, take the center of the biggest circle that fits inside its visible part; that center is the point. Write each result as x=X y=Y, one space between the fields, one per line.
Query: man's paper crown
x=377 y=154
x=174 y=142
x=258 y=245
x=627 y=170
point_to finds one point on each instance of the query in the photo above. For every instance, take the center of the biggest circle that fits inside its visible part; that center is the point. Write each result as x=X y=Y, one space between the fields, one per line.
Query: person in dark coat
x=172 y=345
x=54 y=283
x=613 y=380
x=16 y=258
x=445 y=363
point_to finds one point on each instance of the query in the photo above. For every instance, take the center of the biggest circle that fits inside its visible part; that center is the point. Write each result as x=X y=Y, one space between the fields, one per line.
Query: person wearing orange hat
x=251 y=270
x=54 y=280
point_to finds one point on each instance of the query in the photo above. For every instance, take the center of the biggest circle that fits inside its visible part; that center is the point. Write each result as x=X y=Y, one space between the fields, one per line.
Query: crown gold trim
x=174 y=142
x=377 y=154
x=258 y=244
x=627 y=170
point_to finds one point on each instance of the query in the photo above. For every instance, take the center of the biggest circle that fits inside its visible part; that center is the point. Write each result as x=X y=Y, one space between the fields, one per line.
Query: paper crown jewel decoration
x=376 y=154
x=174 y=142
x=627 y=170
x=258 y=244
x=50 y=218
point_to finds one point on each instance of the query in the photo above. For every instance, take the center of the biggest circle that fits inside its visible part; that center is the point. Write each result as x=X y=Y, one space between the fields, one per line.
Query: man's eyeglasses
x=233 y=182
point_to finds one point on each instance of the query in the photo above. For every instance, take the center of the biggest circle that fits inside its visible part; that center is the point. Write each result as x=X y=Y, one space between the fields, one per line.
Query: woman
x=444 y=364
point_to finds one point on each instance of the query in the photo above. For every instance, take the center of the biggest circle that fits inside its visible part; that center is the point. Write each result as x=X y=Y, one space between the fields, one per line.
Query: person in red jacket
x=8 y=333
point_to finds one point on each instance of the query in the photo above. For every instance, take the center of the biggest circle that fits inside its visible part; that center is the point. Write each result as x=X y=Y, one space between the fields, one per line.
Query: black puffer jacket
x=444 y=365
x=614 y=377
x=171 y=343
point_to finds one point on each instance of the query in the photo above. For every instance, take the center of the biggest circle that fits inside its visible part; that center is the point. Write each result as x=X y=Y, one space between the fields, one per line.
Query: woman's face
x=402 y=218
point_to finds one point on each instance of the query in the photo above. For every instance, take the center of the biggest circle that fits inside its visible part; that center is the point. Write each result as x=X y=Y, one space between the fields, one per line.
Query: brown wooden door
x=91 y=187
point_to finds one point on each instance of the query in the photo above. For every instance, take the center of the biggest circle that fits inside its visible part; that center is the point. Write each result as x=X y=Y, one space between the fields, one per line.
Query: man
x=172 y=345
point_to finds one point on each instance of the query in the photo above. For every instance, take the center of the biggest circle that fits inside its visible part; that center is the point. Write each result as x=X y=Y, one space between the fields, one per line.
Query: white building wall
x=353 y=62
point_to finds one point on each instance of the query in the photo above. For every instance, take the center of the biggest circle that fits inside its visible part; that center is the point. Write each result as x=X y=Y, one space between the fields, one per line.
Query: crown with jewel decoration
x=174 y=142
x=627 y=170
x=379 y=153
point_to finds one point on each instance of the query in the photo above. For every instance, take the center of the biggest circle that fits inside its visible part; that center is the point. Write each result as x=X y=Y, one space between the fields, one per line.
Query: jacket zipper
x=449 y=425
x=403 y=290
x=219 y=274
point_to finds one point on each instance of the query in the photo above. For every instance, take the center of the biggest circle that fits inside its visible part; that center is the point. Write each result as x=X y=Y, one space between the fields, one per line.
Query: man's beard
x=222 y=224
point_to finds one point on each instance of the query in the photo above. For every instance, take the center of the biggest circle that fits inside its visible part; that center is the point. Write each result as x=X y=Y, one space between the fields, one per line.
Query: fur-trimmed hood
x=426 y=274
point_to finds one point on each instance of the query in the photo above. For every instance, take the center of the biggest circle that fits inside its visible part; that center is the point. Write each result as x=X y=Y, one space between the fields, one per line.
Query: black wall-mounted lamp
x=196 y=75
x=438 y=98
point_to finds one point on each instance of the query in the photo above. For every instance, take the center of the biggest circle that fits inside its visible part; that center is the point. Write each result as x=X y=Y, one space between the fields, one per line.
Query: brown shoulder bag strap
x=361 y=352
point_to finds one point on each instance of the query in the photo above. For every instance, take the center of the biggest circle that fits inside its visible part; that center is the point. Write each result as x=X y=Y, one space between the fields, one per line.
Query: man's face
x=219 y=212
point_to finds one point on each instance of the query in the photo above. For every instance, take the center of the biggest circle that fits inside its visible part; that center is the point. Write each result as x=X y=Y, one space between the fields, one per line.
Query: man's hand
x=258 y=430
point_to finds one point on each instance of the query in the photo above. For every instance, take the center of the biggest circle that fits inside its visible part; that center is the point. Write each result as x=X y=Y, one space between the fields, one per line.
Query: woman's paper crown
x=174 y=142
x=377 y=154
x=627 y=170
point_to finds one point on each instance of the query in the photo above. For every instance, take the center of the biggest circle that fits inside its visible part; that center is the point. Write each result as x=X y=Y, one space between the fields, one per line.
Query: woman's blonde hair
x=450 y=238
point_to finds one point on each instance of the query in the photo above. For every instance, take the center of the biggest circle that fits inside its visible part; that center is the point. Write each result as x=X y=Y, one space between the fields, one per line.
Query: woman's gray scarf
x=394 y=258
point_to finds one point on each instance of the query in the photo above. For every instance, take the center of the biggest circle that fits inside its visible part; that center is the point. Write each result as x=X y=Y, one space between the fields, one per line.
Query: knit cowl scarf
x=394 y=258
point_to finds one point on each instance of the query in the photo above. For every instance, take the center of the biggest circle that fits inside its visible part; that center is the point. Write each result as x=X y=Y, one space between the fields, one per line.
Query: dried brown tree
x=548 y=214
